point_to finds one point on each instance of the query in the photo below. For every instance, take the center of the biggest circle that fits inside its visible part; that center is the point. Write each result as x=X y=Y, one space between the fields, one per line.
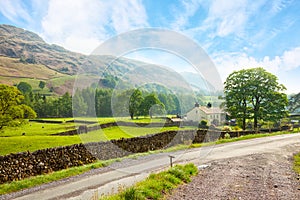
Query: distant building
x=212 y=115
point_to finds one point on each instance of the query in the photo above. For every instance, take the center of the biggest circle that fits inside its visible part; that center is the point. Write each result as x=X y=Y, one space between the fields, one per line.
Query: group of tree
x=106 y=102
x=255 y=94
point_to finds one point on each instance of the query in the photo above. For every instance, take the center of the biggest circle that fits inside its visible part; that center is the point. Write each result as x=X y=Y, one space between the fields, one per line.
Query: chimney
x=196 y=105
x=209 y=105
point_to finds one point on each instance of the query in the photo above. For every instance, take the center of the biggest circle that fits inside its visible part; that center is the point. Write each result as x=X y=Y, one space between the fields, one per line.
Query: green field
x=40 y=135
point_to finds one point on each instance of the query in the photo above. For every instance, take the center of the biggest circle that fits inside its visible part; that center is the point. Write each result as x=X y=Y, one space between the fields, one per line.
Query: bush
x=227 y=136
x=203 y=124
x=226 y=128
x=237 y=128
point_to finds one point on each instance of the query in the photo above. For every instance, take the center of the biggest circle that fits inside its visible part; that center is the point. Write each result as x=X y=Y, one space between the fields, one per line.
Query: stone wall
x=26 y=164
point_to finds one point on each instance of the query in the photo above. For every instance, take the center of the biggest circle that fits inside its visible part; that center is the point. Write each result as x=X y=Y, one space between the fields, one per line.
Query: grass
x=117 y=132
x=37 y=128
x=297 y=163
x=32 y=143
x=156 y=186
x=40 y=135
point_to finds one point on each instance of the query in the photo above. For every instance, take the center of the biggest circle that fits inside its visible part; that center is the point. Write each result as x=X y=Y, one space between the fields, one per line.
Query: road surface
x=109 y=180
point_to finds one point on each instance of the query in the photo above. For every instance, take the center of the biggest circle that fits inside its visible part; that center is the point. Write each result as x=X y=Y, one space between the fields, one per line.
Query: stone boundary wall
x=84 y=128
x=22 y=165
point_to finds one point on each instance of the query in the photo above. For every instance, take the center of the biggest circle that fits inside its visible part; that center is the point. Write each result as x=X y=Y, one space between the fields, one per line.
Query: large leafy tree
x=254 y=94
x=12 y=111
x=150 y=105
x=134 y=102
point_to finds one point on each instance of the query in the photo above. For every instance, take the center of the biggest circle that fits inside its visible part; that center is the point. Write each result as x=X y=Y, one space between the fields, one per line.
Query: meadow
x=36 y=135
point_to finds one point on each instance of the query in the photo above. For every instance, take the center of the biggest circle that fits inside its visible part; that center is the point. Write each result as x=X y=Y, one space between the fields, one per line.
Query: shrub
x=203 y=124
x=237 y=128
x=227 y=136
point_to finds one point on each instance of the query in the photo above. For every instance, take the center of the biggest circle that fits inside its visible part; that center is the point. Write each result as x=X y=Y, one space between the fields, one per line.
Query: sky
x=235 y=34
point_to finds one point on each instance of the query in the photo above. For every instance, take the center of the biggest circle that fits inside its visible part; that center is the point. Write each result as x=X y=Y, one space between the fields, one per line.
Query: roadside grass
x=31 y=182
x=58 y=175
x=156 y=186
x=296 y=166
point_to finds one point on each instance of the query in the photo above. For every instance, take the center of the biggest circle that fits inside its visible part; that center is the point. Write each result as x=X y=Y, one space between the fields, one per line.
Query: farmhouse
x=213 y=115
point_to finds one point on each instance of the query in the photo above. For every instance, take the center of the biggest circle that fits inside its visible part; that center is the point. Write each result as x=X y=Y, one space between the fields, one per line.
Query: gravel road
x=254 y=176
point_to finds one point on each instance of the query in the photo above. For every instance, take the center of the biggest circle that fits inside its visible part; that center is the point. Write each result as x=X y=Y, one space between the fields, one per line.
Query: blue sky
x=235 y=34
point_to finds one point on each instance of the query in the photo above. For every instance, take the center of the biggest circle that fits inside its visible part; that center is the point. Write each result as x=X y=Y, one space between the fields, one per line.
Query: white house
x=211 y=114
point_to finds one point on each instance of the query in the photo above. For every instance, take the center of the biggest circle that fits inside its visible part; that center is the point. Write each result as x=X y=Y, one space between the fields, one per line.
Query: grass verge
x=297 y=163
x=157 y=185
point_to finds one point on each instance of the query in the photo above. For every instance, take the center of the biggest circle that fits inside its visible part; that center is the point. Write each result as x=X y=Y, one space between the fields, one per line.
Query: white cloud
x=226 y=63
x=187 y=10
x=14 y=11
x=128 y=15
x=81 y=25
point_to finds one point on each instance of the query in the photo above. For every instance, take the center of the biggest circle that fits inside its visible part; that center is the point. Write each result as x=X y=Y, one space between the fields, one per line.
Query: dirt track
x=255 y=176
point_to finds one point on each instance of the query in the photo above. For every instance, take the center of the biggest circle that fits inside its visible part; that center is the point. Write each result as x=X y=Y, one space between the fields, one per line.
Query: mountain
x=25 y=56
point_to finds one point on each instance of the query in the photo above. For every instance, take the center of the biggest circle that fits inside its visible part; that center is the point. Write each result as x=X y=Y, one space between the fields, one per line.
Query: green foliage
x=108 y=81
x=226 y=128
x=297 y=163
x=135 y=102
x=203 y=124
x=227 y=136
x=157 y=185
x=254 y=94
x=12 y=111
x=24 y=87
x=42 y=84
x=151 y=105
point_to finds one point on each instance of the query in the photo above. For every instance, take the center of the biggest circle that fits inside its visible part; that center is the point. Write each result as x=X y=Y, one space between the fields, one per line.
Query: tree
x=255 y=94
x=24 y=87
x=134 y=102
x=42 y=84
x=150 y=105
x=12 y=111
x=294 y=103
x=236 y=97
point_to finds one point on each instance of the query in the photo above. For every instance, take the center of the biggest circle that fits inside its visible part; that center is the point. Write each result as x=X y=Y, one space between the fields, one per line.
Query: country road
x=129 y=171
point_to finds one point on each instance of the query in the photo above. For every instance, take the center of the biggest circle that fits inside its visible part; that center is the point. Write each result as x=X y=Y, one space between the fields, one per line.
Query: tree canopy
x=24 y=87
x=254 y=94
x=12 y=111
x=134 y=102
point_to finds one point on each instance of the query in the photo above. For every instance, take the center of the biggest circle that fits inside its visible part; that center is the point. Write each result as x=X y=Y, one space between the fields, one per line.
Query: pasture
x=36 y=135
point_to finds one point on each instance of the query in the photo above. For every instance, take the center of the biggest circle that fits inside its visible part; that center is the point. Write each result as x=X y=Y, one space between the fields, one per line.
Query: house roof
x=212 y=110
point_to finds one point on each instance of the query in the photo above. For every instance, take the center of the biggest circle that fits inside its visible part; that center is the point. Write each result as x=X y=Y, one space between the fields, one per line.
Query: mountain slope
x=24 y=54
